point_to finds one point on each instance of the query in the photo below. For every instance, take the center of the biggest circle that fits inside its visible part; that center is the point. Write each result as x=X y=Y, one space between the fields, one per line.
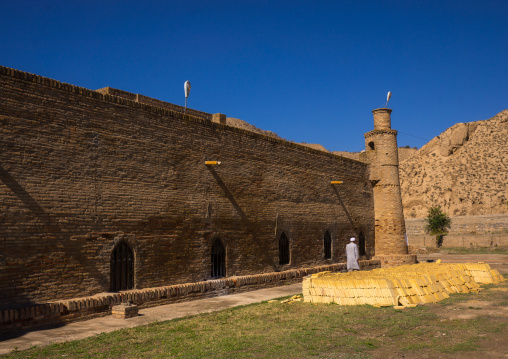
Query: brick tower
x=390 y=229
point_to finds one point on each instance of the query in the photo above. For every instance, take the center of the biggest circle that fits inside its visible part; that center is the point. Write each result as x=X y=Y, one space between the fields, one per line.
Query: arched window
x=371 y=145
x=283 y=249
x=361 y=244
x=218 y=259
x=328 y=245
x=122 y=267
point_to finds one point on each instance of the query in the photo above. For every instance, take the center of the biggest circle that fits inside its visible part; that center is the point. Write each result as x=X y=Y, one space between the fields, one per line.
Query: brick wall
x=465 y=231
x=81 y=171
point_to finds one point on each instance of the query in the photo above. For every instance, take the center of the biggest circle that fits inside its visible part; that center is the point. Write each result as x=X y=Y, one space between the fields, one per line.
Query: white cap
x=352 y=239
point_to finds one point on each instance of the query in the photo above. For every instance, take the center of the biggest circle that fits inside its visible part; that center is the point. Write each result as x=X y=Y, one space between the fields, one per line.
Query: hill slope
x=236 y=122
x=464 y=170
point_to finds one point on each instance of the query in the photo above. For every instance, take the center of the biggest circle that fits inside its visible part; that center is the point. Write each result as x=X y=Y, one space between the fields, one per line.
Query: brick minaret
x=390 y=229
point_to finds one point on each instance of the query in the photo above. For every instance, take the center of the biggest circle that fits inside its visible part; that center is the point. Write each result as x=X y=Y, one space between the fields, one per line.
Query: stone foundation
x=388 y=261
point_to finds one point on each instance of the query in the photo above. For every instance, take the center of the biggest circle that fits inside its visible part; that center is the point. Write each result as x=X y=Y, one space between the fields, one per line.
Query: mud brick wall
x=465 y=231
x=81 y=171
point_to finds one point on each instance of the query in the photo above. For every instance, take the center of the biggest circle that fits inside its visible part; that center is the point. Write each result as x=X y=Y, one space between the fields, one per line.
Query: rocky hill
x=464 y=170
x=404 y=153
x=235 y=122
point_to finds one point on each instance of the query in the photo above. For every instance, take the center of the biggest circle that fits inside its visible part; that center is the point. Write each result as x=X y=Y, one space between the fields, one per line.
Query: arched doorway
x=327 y=245
x=361 y=244
x=122 y=267
x=283 y=249
x=218 y=259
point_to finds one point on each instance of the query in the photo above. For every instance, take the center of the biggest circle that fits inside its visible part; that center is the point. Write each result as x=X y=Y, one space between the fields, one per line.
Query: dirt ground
x=490 y=344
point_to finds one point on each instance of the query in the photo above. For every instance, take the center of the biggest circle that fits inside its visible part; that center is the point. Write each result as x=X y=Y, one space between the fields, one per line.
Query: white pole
x=186 y=88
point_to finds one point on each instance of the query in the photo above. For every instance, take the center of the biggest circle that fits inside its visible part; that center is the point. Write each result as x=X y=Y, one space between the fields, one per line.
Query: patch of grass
x=456 y=298
x=417 y=346
x=356 y=356
x=468 y=345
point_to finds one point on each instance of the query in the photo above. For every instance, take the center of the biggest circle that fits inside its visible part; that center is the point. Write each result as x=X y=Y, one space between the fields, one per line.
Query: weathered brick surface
x=81 y=170
x=124 y=311
x=382 y=153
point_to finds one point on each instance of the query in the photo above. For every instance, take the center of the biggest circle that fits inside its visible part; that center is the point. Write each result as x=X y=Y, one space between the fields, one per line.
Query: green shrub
x=438 y=223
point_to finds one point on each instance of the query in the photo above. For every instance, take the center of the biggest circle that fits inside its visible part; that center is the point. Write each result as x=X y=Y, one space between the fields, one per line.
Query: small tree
x=437 y=224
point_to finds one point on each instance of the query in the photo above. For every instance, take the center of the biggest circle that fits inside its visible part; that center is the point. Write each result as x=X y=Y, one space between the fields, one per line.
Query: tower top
x=382 y=120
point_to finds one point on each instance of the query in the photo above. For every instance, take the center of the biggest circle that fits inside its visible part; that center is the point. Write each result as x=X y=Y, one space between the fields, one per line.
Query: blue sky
x=309 y=71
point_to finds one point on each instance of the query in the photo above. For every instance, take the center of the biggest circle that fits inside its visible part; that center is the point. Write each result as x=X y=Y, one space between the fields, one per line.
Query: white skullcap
x=352 y=239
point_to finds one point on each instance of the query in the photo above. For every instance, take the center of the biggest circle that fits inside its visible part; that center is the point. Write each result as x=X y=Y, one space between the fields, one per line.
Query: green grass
x=299 y=330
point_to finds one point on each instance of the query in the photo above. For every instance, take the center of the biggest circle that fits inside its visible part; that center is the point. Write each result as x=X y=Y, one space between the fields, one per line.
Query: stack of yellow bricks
x=405 y=286
x=480 y=274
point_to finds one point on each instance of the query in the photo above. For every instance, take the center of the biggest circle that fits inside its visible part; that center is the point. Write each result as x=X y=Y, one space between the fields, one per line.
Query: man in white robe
x=352 y=256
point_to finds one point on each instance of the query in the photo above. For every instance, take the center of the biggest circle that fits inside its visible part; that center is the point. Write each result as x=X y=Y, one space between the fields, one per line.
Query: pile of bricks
x=404 y=286
x=480 y=274
x=124 y=311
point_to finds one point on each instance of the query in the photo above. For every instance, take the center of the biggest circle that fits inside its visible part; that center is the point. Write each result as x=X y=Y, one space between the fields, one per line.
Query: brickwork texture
x=83 y=170
x=382 y=152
